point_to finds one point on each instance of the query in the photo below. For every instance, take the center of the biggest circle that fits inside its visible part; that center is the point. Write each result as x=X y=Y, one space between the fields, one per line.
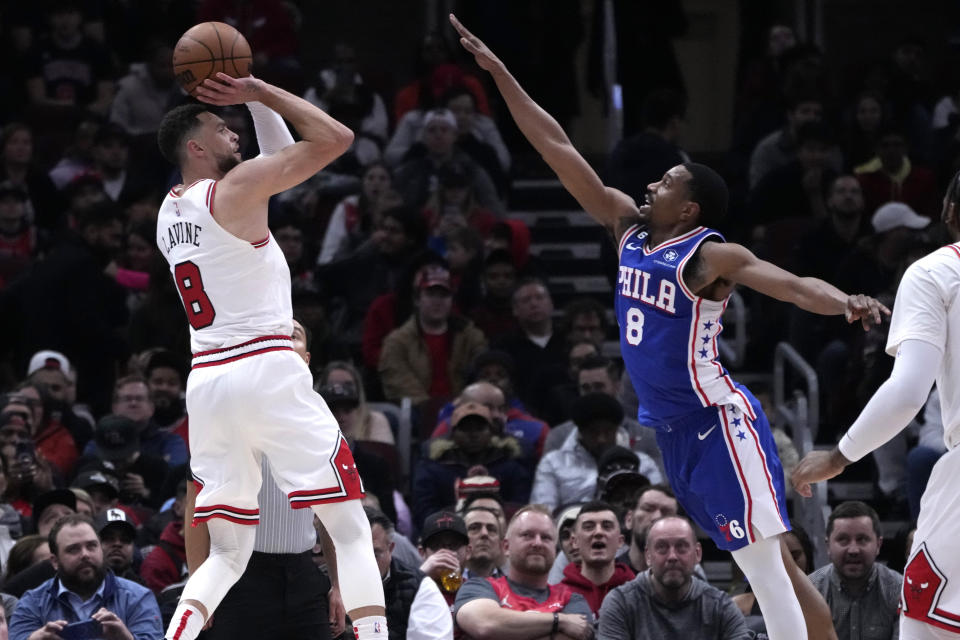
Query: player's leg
x=348 y=527
x=816 y=611
x=764 y=569
x=230 y=548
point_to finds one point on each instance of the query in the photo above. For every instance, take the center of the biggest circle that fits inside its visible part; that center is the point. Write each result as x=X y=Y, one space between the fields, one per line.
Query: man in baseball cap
x=443 y=547
x=51 y=506
x=117 y=533
x=102 y=486
x=894 y=215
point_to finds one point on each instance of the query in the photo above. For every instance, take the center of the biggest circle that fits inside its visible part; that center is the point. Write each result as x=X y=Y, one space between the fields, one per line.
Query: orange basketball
x=209 y=47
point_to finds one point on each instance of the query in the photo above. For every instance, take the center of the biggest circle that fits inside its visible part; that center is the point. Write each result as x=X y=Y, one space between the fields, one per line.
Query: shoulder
x=821 y=576
x=37 y=595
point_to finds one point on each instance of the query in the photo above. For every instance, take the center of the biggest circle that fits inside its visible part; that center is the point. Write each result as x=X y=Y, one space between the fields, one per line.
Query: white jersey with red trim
x=668 y=334
x=927 y=308
x=232 y=290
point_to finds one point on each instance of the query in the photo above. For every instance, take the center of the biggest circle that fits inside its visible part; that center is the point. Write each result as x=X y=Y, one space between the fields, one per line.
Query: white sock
x=370 y=628
x=187 y=623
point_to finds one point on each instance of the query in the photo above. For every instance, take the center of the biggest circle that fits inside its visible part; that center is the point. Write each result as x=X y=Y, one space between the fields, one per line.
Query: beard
x=81 y=584
x=227 y=162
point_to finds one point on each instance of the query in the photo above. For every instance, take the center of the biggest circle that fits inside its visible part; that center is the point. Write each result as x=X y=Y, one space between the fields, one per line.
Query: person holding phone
x=85 y=599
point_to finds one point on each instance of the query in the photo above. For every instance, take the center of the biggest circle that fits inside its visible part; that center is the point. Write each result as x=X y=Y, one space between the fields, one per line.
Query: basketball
x=209 y=47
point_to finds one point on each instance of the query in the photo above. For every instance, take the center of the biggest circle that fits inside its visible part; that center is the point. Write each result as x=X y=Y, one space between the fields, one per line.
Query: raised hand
x=226 y=90
x=817 y=466
x=474 y=45
x=865 y=309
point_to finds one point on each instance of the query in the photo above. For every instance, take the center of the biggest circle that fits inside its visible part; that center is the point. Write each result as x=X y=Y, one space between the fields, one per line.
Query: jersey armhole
x=683 y=264
x=626 y=236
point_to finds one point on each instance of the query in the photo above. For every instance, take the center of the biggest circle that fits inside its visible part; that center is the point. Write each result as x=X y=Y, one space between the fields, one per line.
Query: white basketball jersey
x=928 y=308
x=233 y=290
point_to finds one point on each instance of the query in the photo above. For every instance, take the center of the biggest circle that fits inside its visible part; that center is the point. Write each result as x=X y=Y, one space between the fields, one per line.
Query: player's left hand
x=113 y=627
x=865 y=309
x=817 y=466
x=226 y=90
x=473 y=44
x=338 y=613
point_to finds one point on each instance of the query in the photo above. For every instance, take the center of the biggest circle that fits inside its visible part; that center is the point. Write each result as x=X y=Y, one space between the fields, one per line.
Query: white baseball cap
x=440 y=115
x=897 y=214
x=48 y=359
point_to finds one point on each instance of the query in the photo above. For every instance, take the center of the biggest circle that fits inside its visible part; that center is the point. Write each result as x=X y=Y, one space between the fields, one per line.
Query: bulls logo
x=923 y=584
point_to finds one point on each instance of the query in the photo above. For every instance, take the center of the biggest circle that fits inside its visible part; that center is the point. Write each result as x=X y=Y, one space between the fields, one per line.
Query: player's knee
x=345 y=521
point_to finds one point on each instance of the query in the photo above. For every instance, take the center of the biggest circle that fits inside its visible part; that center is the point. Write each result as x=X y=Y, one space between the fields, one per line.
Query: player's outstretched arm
x=323 y=139
x=737 y=264
x=605 y=204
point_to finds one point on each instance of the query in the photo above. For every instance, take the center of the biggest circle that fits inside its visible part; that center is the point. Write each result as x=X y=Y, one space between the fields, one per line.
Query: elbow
x=344 y=138
x=478 y=627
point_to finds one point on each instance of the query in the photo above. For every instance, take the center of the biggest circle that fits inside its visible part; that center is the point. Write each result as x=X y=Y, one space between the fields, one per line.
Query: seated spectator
x=428 y=357
x=102 y=487
x=117 y=451
x=489 y=500
x=538 y=347
x=780 y=147
x=398 y=238
x=464 y=252
x=68 y=69
x=650 y=504
x=415 y=178
x=568 y=552
x=355 y=217
x=131 y=399
x=507 y=420
x=513 y=236
x=29 y=551
x=443 y=547
x=44 y=205
x=485 y=549
x=598 y=537
x=564 y=393
x=863 y=595
x=146 y=93
x=28 y=475
x=522 y=601
x=863 y=128
x=436 y=74
x=795 y=189
x=619 y=479
x=643 y=158
x=341 y=381
x=51 y=372
x=297 y=251
x=892 y=176
x=666 y=601
x=49 y=508
x=416 y=609
x=51 y=439
x=493 y=313
x=597 y=374
x=18 y=236
x=585 y=319
x=118 y=533
x=472 y=442
x=76 y=161
x=82 y=589
x=452 y=206
x=166 y=376
x=568 y=475
x=341 y=80
x=122 y=182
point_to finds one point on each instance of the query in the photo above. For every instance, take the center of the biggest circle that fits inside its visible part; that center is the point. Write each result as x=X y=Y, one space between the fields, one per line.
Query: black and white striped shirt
x=282 y=529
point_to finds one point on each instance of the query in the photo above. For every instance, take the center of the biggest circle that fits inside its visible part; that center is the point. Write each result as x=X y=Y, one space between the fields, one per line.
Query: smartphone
x=25 y=452
x=84 y=630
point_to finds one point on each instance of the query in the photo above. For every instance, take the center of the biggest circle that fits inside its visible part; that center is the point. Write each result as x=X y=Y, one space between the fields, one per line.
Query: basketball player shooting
x=675 y=276
x=248 y=393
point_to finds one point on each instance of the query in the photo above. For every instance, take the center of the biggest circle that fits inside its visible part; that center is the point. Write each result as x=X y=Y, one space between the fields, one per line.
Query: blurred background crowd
x=437 y=264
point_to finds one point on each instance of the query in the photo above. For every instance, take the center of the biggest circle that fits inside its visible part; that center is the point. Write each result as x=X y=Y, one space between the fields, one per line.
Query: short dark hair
x=599 y=362
x=375 y=516
x=413 y=223
x=499 y=256
x=583 y=306
x=596 y=506
x=176 y=125
x=99 y=215
x=708 y=190
x=71 y=520
x=854 y=509
x=806 y=544
x=529 y=280
x=591 y=408
x=473 y=497
x=307 y=333
x=813 y=132
x=662 y=488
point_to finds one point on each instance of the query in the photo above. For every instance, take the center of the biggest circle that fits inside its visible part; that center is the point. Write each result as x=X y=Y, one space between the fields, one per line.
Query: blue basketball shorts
x=723 y=466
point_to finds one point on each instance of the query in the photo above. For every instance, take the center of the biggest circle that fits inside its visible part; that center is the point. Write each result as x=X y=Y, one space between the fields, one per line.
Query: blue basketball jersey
x=668 y=335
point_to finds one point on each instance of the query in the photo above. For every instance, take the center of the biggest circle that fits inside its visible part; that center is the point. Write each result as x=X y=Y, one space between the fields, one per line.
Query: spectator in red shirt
x=892 y=176
x=597 y=531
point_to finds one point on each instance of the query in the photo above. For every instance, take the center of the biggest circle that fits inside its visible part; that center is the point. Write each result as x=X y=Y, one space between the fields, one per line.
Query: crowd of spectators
x=532 y=487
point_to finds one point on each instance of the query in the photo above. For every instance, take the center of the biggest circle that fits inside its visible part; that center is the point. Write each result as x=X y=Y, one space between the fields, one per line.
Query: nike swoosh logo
x=703 y=436
x=631 y=246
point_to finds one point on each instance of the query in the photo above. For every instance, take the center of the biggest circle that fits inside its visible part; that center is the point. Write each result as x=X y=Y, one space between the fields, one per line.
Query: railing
x=802 y=412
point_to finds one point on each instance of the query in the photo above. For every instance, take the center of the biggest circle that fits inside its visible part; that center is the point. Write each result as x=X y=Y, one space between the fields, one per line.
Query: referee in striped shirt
x=282 y=593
